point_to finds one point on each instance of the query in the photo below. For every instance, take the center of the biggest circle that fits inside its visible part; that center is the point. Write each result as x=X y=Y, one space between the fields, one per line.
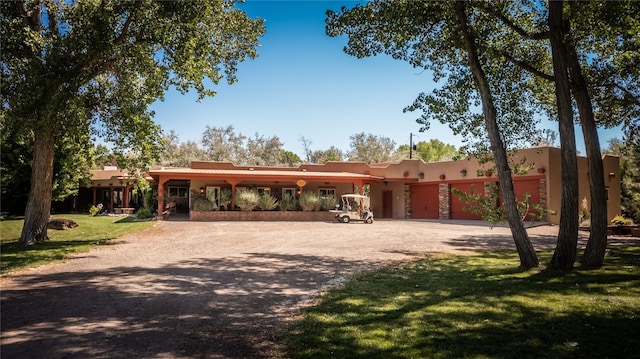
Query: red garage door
x=530 y=186
x=458 y=205
x=424 y=201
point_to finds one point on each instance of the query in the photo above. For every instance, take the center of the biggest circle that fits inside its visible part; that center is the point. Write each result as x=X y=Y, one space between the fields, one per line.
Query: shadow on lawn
x=453 y=308
x=201 y=307
x=492 y=241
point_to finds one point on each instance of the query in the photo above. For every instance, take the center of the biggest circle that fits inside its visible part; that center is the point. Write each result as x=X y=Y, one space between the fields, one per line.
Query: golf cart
x=353 y=209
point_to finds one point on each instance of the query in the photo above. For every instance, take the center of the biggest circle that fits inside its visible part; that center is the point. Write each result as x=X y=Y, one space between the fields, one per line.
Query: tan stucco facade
x=393 y=187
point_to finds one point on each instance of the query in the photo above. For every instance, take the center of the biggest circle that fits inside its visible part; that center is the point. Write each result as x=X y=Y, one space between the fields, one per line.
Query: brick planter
x=293 y=216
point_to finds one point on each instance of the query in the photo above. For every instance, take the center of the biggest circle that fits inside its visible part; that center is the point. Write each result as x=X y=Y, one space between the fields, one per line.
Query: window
x=289 y=191
x=327 y=192
x=178 y=192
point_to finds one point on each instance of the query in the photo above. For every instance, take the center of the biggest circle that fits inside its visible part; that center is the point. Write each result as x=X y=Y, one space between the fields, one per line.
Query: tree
x=223 y=144
x=180 y=154
x=263 y=151
x=323 y=156
x=441 y=36
x=432 y=151
x=599 y=47
x=565 y=252
x=74 y=67
x=74 y=157
x=370 y=148
x=290 y=159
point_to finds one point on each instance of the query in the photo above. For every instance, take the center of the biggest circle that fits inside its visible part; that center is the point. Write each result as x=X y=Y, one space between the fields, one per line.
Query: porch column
x=125 y=196
x=111 y=197
x=95 y=190
x=233 y=184
x=161 y=204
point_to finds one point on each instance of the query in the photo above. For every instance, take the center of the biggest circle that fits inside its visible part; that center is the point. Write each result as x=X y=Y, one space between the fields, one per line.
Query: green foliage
x=621 y=221
x=247 y=199
x=290 y=159
x=328 y=203
x=324 y=156
x=91 y=231
x=288 y=202
x=369 y=148
x=77 y=70
x=432 y=151
x=476 y=306
x=310 y=201
x=225 y=197
x=203 y=204
x=95 y=210
x=488 y=205
x=629 y=152
x=144 y=213
x=267 y=202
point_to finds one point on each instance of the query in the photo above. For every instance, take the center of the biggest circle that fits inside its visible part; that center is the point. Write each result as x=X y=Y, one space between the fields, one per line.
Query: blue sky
x=303 y=85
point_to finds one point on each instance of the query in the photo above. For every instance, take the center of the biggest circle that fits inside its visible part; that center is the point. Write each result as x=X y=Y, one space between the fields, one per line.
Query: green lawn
x=478 y=306
x=90 y=232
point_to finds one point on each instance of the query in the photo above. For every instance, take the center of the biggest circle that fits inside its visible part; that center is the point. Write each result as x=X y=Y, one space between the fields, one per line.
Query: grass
x=91 y=231
x=478 y=306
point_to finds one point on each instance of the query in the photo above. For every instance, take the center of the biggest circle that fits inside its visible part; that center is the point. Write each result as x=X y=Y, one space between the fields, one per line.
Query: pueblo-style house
x=407 y=189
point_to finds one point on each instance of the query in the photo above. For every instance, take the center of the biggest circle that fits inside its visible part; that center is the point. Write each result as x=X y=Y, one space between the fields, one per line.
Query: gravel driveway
x=209 y=289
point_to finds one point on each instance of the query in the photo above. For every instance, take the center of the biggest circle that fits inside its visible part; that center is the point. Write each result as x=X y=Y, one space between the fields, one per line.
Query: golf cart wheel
x=345 y=219
x=369 y=220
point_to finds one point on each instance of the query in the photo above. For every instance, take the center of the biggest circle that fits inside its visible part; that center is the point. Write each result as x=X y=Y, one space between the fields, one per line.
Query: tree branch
x=31 y=17
x=528 y=67
x=517 y=29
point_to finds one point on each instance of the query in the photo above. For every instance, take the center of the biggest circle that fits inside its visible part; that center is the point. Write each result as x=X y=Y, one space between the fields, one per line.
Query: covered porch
x=209 y=179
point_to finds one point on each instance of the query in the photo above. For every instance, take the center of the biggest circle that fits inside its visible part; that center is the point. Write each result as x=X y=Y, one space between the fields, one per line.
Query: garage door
x=530 y=186
x=458 y=206
x=424 y=201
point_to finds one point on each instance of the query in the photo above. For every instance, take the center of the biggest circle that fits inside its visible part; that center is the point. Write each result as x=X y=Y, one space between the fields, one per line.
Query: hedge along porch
x=407 y=189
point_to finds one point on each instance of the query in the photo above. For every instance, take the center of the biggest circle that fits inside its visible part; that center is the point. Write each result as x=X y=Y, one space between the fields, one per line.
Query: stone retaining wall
x=295 y=216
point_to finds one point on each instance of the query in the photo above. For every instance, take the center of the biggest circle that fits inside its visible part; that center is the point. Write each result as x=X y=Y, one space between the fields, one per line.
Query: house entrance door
x=387 y=204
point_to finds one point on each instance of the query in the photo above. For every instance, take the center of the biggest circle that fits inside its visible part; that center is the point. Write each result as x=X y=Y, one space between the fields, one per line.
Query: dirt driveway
x=210 y=290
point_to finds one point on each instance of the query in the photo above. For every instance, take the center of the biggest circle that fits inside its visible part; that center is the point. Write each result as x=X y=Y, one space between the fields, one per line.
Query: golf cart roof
x=354 y=196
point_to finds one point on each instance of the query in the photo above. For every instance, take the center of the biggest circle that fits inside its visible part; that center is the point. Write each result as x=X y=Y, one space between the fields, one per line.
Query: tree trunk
x=527 y=254
x=597 y=244
x=564 y=255
x=39 y=203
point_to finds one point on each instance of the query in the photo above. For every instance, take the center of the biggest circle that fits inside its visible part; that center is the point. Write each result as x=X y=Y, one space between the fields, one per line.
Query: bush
x=328 y=203
x=225 y=197
x=247 y=199
x=95 y=210
x=203 y=205
x=621 y=221
x=288 y=202
x=267 y=202
x=310 y=201
x=144 y=213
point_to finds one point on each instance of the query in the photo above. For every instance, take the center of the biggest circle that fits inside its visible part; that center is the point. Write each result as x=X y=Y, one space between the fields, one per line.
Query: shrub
x=203 y=204
x=288 y=202
x=225 y=197
x=621 y=221
x=310 y=201
x=267 y=202
x=247 y=199
x=95 y=210
x=144 y=213
x=328 y=203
